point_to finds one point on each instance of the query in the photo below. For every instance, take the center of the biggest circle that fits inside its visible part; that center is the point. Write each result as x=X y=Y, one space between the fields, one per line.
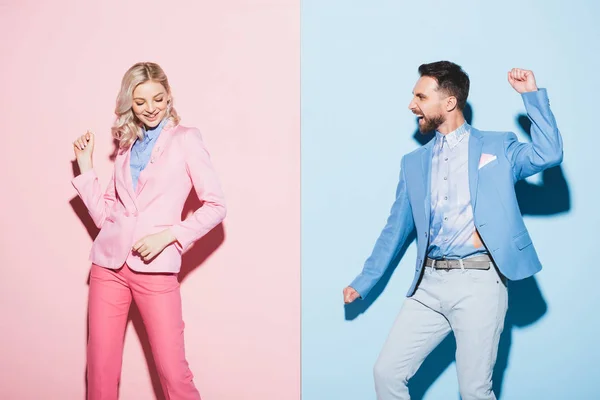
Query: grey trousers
x=472 y=304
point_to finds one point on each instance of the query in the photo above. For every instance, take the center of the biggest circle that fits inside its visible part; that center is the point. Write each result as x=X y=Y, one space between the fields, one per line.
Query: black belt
x=477 y=262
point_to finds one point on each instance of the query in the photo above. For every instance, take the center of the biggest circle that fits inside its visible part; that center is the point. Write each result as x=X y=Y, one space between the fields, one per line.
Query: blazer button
x=127 y=214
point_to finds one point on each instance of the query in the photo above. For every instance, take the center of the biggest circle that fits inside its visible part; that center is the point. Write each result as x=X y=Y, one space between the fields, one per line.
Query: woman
x=137 y=253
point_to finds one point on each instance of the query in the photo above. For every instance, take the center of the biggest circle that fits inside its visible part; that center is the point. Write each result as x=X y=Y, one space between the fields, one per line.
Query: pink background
x=234 y=69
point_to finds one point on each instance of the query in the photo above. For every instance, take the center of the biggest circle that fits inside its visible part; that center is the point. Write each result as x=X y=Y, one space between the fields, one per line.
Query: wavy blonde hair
x=127 y=127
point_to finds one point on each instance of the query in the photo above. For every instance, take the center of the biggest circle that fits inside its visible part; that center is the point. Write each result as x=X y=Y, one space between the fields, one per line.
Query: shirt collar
x=152 y=133
x=456 y=136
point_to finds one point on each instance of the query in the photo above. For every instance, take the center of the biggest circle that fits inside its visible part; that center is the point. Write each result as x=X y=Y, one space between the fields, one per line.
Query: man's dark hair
x=450 y=78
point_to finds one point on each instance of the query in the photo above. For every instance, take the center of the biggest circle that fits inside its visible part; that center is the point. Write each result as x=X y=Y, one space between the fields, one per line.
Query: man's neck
x=451 y=124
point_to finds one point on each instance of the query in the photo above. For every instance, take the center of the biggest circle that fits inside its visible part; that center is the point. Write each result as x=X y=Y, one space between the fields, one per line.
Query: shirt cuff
x=539 y=96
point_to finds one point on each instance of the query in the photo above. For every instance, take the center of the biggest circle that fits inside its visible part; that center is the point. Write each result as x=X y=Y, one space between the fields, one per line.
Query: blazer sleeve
x=208 y=189
x=399 y=225
x=546 y=147
x=98 y=202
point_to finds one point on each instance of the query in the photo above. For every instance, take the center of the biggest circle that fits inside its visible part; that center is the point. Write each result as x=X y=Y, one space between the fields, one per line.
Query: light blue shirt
x=452 y=228
x=142 y=151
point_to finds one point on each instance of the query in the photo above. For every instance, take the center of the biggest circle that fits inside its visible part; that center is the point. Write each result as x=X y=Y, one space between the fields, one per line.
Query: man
x=457 y=191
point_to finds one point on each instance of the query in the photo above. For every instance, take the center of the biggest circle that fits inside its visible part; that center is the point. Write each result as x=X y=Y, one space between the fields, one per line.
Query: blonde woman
x=137 y=253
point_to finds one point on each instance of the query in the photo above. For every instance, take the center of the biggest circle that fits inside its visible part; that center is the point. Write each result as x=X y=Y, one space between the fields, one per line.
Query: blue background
x=359 y=65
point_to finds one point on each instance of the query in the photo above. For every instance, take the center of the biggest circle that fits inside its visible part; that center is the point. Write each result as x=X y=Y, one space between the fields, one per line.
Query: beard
x=428 y=124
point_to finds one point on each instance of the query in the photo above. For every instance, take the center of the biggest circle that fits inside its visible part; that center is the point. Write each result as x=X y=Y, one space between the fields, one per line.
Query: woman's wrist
x=85 y=164
x=169 y=236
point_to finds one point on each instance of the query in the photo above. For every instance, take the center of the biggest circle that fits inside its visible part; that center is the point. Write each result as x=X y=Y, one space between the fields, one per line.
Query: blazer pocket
x=490 y=164
x=522 y=240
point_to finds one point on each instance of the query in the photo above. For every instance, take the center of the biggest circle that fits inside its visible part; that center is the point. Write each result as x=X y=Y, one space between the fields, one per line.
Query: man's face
x=427 y=104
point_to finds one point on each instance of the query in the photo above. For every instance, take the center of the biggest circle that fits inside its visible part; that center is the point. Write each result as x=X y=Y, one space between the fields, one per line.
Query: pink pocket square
x=486 y=159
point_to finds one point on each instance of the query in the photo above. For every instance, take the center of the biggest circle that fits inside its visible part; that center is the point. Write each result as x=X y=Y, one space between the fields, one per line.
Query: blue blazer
x=492 y=187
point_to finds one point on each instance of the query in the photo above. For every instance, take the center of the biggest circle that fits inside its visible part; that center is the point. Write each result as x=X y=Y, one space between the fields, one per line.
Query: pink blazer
x=179 y=161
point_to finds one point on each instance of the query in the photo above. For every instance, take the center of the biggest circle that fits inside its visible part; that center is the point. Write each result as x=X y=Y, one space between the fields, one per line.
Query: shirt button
x=446 y=159
x=445 y=178
x=445 y=218
x=445 y=197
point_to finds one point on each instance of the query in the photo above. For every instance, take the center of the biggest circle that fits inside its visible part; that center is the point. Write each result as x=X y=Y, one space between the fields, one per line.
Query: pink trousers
x=158 y=298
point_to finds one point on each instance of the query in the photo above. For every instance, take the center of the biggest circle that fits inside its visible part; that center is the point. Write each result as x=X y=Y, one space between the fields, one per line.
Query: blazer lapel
x=122 y=165
x=475 y=146
x=426 y=171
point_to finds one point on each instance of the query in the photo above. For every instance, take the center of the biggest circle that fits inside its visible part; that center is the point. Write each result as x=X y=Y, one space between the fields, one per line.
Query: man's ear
x=451 y=103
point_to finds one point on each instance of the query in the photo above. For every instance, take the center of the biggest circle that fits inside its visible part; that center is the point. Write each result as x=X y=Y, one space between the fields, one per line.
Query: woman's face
x=150 y=100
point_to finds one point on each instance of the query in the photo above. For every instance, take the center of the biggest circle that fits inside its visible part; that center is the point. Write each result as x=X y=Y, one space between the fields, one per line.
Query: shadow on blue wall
x=526 y=304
